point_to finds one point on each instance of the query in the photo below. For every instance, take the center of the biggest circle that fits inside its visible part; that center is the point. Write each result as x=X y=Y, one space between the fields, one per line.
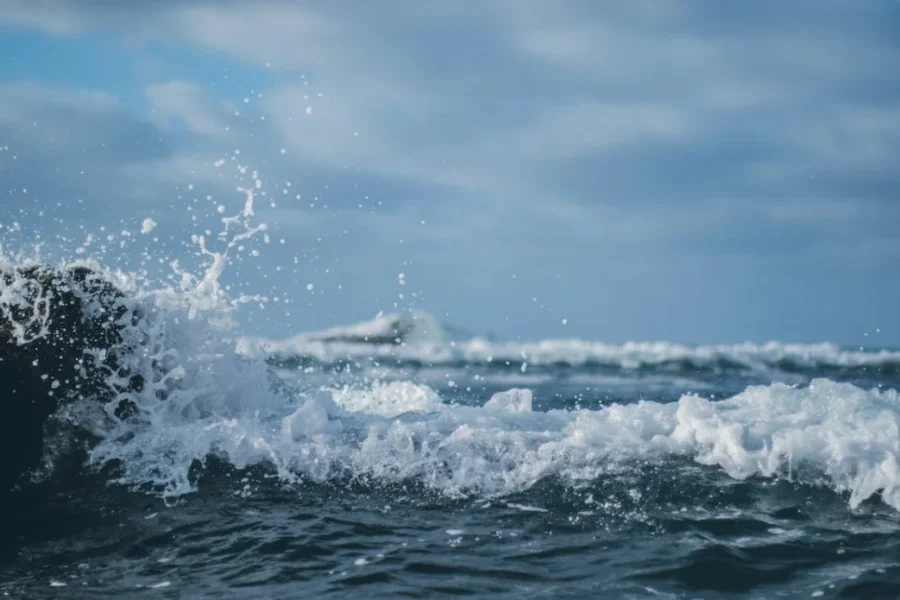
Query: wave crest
x=429 y=344
x=836 y=433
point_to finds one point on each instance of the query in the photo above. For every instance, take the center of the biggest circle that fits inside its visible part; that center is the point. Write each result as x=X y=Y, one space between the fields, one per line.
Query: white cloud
x=61 y=118
x=188 y=102
x=280 y=34
x=854 y=137
x=55 y=17
x=585 y=129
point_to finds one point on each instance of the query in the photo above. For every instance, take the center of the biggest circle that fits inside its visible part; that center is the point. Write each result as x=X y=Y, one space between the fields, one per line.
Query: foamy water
x=831 y=433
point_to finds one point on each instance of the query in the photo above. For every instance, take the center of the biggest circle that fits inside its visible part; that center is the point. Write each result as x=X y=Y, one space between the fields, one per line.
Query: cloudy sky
x=692 y=171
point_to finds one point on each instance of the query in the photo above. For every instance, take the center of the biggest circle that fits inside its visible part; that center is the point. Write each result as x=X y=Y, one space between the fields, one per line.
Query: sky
x=699 y=172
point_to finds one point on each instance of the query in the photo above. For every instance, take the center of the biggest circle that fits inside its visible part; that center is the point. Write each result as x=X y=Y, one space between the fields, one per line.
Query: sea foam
x=832 y=432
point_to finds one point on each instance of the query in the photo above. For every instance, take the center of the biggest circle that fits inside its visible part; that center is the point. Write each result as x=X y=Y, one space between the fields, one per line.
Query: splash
x=176 y=340
x=203 y=398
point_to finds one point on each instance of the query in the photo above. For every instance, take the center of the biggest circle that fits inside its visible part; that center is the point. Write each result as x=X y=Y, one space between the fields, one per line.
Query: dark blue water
x=637 y=524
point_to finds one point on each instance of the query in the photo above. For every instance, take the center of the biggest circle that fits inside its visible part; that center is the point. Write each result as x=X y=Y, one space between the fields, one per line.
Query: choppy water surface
x=609 y=485
x=388 y=459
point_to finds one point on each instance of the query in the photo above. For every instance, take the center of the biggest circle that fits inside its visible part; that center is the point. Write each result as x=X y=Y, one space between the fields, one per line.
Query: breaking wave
x=419 y=339
x=827 y=433
x=209 y=393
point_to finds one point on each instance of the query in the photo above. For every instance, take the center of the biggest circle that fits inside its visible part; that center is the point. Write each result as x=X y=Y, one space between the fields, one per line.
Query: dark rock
x=60 y=339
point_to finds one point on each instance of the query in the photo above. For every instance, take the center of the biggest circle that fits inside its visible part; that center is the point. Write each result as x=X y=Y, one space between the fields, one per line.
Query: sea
x=397 y=458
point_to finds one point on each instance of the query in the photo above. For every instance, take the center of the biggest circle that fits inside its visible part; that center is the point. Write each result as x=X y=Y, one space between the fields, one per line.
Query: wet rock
x=60 y=341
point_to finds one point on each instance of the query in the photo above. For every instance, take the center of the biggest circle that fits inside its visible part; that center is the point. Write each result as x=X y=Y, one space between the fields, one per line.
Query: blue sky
x=691 y=171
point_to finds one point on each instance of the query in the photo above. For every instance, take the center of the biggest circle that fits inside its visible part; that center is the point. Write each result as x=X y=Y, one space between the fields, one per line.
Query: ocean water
x=393 y=459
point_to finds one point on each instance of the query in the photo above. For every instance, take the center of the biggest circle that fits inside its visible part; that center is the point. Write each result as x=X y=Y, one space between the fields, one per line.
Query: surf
x=208 y=392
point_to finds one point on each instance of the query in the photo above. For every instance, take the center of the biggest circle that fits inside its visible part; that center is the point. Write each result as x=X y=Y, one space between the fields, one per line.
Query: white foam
x=337 y=344
x=388 y=400
x=526 y=508
x=844 y=435
x=515 y=400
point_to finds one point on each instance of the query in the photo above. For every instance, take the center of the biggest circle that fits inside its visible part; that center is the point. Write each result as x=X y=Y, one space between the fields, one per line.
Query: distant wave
x=384 y=329
x=418 y=339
